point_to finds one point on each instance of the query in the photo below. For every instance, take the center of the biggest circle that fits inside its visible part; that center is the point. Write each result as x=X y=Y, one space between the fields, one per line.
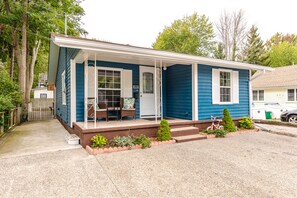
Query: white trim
x=63 y=88
x=194 y=91
x=161 y=90
x=112 y=47
x=86 y=94
x=250 y=93
x=156 y=95
x=73 y=92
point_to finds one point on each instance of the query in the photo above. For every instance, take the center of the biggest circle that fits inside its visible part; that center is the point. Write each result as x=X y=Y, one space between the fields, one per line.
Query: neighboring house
x=275 y=89
x=164 y=84
x=43 y=92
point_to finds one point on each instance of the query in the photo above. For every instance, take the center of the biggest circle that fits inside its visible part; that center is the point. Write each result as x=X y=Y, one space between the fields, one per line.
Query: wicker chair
x=102 y=112
x=127 y=112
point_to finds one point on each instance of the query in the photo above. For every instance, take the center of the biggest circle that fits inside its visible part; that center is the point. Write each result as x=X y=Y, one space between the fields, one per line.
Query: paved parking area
x=248 y=165
x=35 y=137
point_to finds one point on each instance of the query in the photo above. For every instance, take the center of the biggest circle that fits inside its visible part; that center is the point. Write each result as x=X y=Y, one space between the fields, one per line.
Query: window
x=258 y=95
x=225 y=86
x=63 y=88
x=109 y=87
x=148 y=83
x=43 y=95
x=292 y=94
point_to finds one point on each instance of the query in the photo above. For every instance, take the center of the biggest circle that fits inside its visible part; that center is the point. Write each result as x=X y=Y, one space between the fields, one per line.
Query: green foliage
x=98 y=141
x=120 y=141
x=228 y=122
x=217 y=132
x=254 y=49
x=281 y=50
x=219 y=52
x=9 y=95
x=143 y=140
x=246 y=123
x=164 y=131
x=191 y=35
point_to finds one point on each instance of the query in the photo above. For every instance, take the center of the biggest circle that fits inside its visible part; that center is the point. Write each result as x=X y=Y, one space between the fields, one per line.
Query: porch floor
x=125 y=123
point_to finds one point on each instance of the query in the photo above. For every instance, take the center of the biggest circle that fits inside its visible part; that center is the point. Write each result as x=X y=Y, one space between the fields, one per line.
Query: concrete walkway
x=35 y=137
x=278 y=129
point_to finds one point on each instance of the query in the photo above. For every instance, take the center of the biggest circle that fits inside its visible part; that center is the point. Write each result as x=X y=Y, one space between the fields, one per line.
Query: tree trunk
x=30 y=71
x=22 y=53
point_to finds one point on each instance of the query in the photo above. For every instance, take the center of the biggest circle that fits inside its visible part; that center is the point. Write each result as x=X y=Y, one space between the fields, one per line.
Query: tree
x=254 y=49
x=190 y=35
x=164 y=131
x=27 y=25
x=228 y=122
x=232 y=30
x=281 y=50
x=219 y=52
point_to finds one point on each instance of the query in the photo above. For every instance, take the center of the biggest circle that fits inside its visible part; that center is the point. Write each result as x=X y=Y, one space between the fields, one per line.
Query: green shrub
x=164 y=131
x=217 y=132
x=246 y=123
x=98 y=141
x=228 y=122
x=121 y=141
x=143 y=140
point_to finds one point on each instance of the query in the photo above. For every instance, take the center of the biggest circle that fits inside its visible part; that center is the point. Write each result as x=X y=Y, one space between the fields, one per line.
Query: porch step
x=187 y=138
x=182 y=131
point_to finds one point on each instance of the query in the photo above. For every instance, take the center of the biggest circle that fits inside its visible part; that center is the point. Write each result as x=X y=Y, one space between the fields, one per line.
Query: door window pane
x=255 y=95
x=148 y=82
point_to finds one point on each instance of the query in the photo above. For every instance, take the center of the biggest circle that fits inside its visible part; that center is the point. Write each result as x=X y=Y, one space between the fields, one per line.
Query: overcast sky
x=138 y=22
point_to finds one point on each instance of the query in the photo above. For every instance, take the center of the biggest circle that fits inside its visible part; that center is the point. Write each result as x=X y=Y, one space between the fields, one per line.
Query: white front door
x=147 y=91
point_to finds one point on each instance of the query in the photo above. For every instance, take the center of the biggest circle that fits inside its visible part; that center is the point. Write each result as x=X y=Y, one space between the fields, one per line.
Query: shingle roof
x=281 y=77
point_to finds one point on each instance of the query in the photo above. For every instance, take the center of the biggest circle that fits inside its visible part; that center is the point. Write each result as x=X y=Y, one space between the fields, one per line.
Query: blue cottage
x=163 y=84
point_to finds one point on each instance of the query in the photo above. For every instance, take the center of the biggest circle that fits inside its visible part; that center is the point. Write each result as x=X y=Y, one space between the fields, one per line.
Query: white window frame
x=110 y=69
x=258 y=95
x=63 y=84
x=216 y=87
x=295 y=95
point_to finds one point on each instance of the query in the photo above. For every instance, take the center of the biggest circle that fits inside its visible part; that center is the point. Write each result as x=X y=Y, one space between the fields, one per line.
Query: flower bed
x=96 y=151
x=230 y=134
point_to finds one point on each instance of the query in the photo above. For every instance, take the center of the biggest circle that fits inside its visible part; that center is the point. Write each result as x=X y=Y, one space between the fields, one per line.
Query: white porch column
x=73 y=92
x=86 y=94
x=155 y=91
x=95 y=87
x=161 y=90
x=194 y=91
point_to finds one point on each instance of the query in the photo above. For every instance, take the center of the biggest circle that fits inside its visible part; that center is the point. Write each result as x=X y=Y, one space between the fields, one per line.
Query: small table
x=114 y=111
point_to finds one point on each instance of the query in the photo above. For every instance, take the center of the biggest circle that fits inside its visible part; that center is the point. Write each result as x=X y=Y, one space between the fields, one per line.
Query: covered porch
x=162 y=87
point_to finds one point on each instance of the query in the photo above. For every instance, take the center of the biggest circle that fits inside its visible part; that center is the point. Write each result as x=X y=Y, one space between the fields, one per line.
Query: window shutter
x=91 y=82
x=127 y=83
x=215 y=86
x=235 y=87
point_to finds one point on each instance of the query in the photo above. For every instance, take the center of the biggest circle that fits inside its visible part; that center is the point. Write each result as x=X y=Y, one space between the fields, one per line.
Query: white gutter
x=150 y=53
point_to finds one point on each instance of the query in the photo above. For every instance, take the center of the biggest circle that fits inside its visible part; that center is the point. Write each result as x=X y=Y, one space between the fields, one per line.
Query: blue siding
x=179 y=92
x=64 y=111
x=80 y=83
x=205 y=106
x=80 y=93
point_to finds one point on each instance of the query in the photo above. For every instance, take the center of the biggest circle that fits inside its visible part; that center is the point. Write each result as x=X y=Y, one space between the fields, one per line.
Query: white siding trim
x=251 y=93
x=86 y=95
x=194 y=91
x=73 y=92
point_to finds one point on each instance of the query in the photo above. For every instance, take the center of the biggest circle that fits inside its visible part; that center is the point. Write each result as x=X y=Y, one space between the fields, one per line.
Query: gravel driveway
x=248 y=165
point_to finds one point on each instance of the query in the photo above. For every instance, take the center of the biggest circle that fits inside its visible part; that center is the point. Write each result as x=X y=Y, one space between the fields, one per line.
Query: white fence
x=40 y=109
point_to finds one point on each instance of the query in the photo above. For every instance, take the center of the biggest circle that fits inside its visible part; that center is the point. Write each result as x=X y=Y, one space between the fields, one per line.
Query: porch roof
x=130 y=54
